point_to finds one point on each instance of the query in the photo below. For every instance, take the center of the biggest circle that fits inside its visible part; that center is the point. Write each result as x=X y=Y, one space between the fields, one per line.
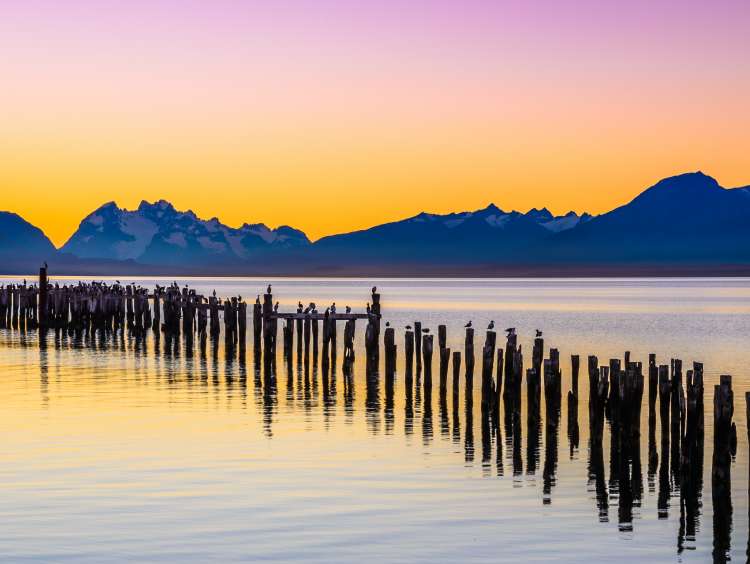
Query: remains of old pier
x=616 y=388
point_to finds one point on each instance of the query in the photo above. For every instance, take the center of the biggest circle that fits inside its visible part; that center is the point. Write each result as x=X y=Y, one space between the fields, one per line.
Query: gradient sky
x=332 y=115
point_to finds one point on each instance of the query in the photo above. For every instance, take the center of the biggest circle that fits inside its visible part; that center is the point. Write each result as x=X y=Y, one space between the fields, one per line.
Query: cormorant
x=369 y=310
x=510 y=330
x=348 y=309
x=268 y=290
x=468 y=324
x=374 y=289
x=491 y=326
x=538 y=333
x=276 y=307
x=408 y=327
x=426 y=330
x=387 y=323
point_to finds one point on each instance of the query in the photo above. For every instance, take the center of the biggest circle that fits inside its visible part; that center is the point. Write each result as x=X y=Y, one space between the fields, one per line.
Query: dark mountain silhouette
x=22 y=243
x=686 y=224
x=685 y=218
x=486 y=235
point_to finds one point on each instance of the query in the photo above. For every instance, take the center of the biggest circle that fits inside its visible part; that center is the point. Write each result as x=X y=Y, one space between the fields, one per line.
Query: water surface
x=116 y=450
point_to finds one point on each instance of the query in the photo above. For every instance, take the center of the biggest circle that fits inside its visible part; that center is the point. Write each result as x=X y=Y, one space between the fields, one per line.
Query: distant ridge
x=685 y=224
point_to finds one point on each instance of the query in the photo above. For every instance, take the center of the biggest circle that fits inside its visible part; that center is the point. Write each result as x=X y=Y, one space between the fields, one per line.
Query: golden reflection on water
x=182 y=456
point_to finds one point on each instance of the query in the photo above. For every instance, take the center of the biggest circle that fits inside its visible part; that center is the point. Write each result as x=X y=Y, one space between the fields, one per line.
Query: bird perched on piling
x=268 y=290
x=214 y=293
x=510 y=330
x=257 y=299
x=369 y=310
x=276 y=307
x=348 y=309
x=374 y=289
x=387 y=323
x=538 y=333
x=491 y=326
x=426 y=330
x=408 y=327
x=468 y=324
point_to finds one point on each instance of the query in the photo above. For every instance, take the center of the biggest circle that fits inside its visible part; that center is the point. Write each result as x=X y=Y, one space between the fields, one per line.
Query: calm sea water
x=114 y=450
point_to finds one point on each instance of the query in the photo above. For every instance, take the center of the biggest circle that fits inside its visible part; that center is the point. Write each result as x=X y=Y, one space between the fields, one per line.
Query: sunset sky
x=332 y=115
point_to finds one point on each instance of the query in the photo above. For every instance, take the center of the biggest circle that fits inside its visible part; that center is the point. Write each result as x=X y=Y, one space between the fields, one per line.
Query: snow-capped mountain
x=488 y=234
x=158 y=233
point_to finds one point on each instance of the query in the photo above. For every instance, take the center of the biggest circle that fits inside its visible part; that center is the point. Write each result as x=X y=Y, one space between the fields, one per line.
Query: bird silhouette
x=387 y=323
x=348 y=309
x=374 y=289
x=276 y=307
x=510 y=330
x=408 y=327
x=268 y=290
x=491 y=326
x=426 y=330
x=538 y=333
x=468 y=324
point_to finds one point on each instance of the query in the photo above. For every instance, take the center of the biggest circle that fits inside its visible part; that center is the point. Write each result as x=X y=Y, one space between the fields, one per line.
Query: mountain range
x=686 y=224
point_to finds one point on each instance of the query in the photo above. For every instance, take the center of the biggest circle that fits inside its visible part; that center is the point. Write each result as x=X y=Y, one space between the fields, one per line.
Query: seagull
x=538 y=333
x=468 y=324
x=491 y=325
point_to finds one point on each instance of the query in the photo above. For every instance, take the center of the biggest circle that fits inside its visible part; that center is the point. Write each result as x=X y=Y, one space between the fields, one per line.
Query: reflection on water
x=172 y=450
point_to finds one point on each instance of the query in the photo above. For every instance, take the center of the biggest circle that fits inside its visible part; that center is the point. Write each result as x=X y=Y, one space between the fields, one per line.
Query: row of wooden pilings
x=615 y=394
x=615 y=390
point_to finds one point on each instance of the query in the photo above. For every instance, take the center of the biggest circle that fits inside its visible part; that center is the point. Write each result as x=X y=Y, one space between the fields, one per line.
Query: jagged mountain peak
x=156 y=232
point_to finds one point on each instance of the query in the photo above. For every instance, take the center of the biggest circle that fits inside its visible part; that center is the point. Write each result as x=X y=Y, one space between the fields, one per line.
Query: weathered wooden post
x=427 y=359
x=537 y=355
x=409 y=350
x=418 y=343
x=43 y=288
x=389 y=340
x=269 y=332
x=488 y=359
x=469 y=349
x=445 y=355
